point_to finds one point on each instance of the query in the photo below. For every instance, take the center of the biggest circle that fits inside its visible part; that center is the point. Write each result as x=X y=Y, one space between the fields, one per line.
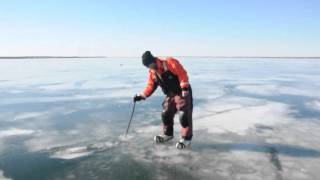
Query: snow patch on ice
x=80 y=151
x=123 y=93
x=50 y=139
x=28 y=115
x=219 y=117
x=71 y=153
x=15 y=132
x=148 y=129
x=272 y=90
x=307 y=91
x=2 y=177
x=314 y=105
x=267 y=90
x=124 y=138
x=213 y=92
x=83 y=132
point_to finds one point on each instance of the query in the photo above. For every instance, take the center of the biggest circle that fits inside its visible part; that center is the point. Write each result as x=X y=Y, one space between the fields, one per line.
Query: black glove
x=138 y=97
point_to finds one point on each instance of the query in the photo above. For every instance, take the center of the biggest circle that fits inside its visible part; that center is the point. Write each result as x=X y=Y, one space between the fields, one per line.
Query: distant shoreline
x=48 y=57
x=265 y=57
x=82 y=57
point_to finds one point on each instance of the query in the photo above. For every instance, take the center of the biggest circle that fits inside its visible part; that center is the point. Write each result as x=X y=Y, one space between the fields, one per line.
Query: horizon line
x=205 y=56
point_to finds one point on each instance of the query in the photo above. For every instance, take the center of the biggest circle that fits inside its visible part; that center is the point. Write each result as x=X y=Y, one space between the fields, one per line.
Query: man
x=170 y=75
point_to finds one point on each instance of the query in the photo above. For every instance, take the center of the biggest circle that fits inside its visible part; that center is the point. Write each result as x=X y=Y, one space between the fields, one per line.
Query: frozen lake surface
x=65 y=119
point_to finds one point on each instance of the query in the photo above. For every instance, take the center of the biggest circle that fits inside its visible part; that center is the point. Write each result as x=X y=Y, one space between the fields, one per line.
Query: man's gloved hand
x=184 y=93
x=138 y=97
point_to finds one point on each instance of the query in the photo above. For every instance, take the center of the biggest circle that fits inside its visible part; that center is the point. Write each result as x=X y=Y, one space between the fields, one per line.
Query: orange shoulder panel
x=176 y=68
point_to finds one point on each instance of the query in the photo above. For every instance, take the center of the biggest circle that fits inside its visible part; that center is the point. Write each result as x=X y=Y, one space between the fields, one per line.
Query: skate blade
x=181 y=146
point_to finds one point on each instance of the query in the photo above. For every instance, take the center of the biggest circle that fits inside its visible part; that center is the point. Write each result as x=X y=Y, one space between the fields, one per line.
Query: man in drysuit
x=170 y=75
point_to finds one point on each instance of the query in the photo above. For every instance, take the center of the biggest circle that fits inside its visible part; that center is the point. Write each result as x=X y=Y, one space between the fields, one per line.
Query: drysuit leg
x=169 y=110
x=185 y=106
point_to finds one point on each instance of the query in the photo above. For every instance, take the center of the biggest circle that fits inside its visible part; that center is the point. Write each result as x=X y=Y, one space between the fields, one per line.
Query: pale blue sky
x=166 y=27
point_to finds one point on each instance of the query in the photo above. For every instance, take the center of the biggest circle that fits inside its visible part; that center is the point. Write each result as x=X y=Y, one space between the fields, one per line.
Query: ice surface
x=2 y=177
x=66 y=119
x=71 y=153
x=15 y=132
x=240 y=119
x=314 y=105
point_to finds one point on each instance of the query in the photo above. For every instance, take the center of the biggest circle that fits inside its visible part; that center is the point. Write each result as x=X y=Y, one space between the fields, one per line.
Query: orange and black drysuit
x=173 y=79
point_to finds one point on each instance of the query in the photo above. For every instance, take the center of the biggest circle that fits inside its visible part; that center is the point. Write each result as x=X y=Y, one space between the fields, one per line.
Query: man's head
x=149 y=60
